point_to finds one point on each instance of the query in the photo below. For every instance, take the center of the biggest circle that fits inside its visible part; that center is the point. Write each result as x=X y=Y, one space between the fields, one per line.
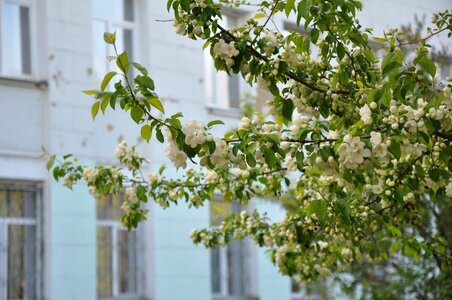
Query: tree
x=360 y=144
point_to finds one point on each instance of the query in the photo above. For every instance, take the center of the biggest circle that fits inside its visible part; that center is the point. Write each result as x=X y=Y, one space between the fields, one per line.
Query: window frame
x=221 y=105
x=245 y=244
x=110 y=24
x=116 y=227
x=37 y=222
x=32 y=6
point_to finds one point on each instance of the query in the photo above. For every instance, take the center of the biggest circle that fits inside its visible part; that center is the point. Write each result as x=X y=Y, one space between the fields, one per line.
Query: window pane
x=100 y=51
x=17 y=203
x=215 y=269
x=109 y=208
x=118 y=10
x=127 y=262
x=16 y=57
x=21 y=262
x=234 y=90
x=236 y=269
x=104 y=261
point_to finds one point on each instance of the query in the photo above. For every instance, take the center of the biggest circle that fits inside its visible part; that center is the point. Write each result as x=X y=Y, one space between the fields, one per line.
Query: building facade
x=61 y=244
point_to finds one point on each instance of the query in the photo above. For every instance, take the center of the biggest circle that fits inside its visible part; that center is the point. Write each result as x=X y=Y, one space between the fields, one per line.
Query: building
x=61 y=244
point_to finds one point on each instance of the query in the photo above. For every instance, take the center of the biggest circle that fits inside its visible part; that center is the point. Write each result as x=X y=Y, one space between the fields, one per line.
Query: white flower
x=69 y=181
x=195 y=133
x=346 y=252
x=90 y=175
x=267 y=128
x=121 y=150
x=219 y=156
x=177 y=157
x=131 y=196
x=299 y=122
x=377 y=189
x=94 y=192
x=225 y=51
x=449 y=189
x=366 y=114
x=210 y=176
x=245 y=124
x=154 y=178
x=375 y=138
x=291 y=163
x=180 y=27
x=334 y=135
x=352 y=152
x=272 y=43
x=125 y=206
x=322 y=244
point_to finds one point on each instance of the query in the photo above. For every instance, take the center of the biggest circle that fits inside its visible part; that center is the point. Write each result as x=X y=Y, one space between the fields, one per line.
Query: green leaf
x=110 y=37
x=379 y=40
x=50 y=162
x=104 y=103
x=56 y=172
x=428 y=65
x=319 y=208
x=107 y=79
x=157 y=104
x=270 y=158
x=159 y=135
x=136 y=113
x=314 y=34
x=250 y=160
x=394 y=148
x=340 y=51
x=146 y=132
x=123 y=62
x=145 y=81
x=140 y=68
x=300 y=157
x=274 y=138
x=304 y=7
x=185 y=4
x=95 y=109
x=90 y=92
x=287 y=109
x=290 y=5
x=215 y=122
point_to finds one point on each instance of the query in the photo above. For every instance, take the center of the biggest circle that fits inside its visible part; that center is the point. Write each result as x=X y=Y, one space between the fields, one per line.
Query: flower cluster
x=352 y=152
x=195 y=133
x=225 y=51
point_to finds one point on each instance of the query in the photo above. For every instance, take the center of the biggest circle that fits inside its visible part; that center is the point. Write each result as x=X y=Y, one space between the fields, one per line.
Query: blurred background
x=61 y=244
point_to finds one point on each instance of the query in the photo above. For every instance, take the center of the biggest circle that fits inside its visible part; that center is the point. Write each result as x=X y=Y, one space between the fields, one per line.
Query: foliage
x=360 y=142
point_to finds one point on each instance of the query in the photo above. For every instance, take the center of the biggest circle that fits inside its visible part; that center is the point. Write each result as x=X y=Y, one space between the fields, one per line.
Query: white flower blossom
x=449 y=189
x=154 y=178
x=131 y=195
x=352 y=152
x=90 y=175
x=366 y=114
x=225 y=51
x=177 y=157
x=195 y=133
x=210 y=177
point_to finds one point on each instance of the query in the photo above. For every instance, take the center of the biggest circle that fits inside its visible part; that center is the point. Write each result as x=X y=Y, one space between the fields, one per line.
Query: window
x=318 y=290
x=230 y=274
x=19 y=241
x=112 y=16
x=223 y=91
x=117 y=269
x=15 y=38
